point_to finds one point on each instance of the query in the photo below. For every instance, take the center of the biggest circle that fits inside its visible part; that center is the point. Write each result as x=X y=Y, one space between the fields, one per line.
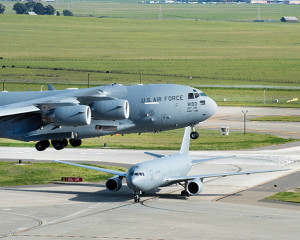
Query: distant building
x=288 y=19
x=275 y=1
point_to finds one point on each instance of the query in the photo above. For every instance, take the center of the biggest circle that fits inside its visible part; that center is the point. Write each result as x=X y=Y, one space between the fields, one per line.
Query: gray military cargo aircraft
x=164 y=171
x=74 y=114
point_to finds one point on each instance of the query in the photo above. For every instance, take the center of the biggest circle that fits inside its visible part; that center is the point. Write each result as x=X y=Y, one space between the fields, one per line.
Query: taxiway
x=88 y=211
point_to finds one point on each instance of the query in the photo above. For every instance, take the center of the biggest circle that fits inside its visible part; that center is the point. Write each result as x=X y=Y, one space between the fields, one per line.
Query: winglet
x=185 y=145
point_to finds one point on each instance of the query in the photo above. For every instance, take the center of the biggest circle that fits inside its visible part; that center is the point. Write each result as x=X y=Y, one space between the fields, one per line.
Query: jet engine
x=113 y=184
x=77 y=115
x=116 y=109
x=194 y=186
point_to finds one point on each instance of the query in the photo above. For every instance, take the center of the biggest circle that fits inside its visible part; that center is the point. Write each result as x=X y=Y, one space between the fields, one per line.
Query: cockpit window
x=197 y=95
x=191 y=96
x=137 y=174
x=202 y=94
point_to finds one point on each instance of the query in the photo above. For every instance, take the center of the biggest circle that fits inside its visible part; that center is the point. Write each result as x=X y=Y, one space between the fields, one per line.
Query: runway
x=89 y=211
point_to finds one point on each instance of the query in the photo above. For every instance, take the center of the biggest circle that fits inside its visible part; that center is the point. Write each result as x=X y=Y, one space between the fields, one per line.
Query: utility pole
x=245 y=113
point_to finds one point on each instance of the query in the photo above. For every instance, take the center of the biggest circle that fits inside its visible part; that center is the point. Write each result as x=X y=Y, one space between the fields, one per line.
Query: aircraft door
x=164 y=119
x=151 y=174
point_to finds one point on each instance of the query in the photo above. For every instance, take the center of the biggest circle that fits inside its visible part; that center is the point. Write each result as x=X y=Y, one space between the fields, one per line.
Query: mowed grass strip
x=13 y=174
x=278 y=118
x=171 y=140
x=286 y=196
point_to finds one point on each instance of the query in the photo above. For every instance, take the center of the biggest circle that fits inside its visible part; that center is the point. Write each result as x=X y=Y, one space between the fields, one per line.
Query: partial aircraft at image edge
x=75 y=114
x=164 y=171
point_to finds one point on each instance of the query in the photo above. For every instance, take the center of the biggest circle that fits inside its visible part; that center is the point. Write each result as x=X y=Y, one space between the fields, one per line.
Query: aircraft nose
x=212 y=108
x=133 y=182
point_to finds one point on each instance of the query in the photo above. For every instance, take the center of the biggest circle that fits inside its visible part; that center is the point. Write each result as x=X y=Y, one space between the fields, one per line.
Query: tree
x=30 y=6
x=49 y=10
x=67 y=13
x=39 y=9
x=20 y=8
x=2 y=8
x=57 y=13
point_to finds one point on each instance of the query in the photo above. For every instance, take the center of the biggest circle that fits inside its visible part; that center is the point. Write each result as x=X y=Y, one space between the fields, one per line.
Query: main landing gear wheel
x=194 y=135
x=185 y=193
x=42 y=145
x=75 y=142
x=59 y=144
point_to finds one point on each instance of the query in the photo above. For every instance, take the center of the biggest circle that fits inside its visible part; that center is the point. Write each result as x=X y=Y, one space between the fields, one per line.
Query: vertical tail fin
x=185 y=145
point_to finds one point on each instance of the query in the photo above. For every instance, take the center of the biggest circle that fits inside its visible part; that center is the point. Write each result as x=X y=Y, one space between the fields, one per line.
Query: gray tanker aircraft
x=74 y=114
x=164 y=171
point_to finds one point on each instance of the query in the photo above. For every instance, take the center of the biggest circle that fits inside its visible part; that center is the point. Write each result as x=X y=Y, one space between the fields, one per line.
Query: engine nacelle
x=113 y=184
x=116 y=109
x=194 y=186
x=78 y=115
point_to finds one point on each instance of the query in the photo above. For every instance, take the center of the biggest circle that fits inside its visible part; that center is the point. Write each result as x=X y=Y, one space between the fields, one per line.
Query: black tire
x=42 y=145
x=64 y=142
x=75 y=142
x=136 y=199
x=57 y=144
x=194 y=135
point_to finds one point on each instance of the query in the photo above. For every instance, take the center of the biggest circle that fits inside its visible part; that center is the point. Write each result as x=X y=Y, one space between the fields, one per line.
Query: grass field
x=228 y=49
x=112 y=50
x=278 y=118
x=12 y=174
x=286 y=196
x=211 y=12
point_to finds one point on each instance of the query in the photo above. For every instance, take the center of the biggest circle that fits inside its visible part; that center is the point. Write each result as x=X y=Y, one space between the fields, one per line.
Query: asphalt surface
x=89 y=211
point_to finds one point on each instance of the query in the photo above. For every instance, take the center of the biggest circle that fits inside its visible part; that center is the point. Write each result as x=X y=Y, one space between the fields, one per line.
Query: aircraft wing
x=173 y=180
x=7 y=110
x=63 y=98
x=119 y=173
x=210 y=159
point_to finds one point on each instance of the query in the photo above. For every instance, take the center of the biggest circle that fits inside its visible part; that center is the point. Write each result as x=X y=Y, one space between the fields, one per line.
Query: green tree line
x=38 y=8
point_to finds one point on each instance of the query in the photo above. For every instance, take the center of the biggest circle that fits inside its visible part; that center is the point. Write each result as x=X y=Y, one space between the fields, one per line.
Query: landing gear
x=194 y=134
x=137 y=196
x=75 y=142
x=59 y=144
x=185 y=193
x=42 y=145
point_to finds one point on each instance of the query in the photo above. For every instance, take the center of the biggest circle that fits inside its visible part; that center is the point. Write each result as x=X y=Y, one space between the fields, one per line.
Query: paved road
x=233 y=118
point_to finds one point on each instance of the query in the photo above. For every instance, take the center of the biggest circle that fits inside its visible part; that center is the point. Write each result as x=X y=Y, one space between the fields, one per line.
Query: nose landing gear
x=194 y=134
x=137 y=196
